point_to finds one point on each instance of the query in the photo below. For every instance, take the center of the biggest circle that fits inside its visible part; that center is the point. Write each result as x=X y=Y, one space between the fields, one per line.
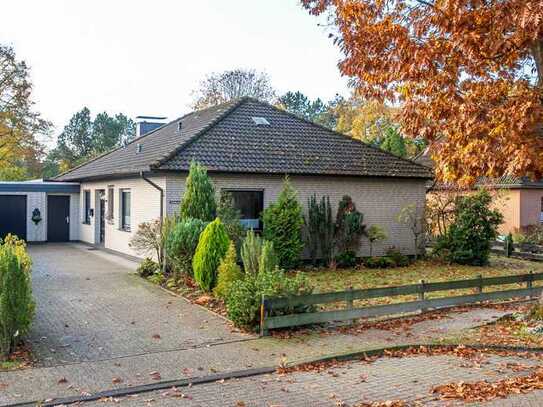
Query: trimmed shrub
x=147 y=268
x=16 y=303
x=469 y=237
x=379 y=262
x=242 y=302
x=508 y=245
x=230 y=217
x=399 y=259
x=245 y=296
x=182 y=242
x=375 y=234
x=346 y=259
x=251 y=249
x=198 y=201
x=349 y=225
x=212 y=247
x=228 y=273
x=283 y=222
x=268 y=259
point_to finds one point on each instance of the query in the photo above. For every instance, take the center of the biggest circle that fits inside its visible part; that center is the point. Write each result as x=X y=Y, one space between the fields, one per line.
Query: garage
x=13 y=215
x=40 y=211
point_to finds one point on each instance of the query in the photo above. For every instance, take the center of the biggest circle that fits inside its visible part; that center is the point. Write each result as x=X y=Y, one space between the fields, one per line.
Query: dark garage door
x=13 y=215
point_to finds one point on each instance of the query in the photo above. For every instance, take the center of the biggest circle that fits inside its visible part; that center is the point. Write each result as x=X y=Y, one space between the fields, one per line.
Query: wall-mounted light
x=36 y=216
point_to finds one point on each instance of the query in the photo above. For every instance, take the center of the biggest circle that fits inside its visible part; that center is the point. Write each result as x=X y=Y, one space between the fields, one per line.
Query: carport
x=40 y=211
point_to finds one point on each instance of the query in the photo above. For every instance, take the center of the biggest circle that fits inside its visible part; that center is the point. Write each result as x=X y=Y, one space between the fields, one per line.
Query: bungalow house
x=248 y=147
x=519 y=199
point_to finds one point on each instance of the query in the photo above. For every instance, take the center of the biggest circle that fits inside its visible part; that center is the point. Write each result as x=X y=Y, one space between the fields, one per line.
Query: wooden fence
x=288 y=318
x=525 y=251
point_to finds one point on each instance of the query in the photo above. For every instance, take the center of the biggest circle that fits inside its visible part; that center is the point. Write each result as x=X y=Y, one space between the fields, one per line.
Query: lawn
x=326 y=280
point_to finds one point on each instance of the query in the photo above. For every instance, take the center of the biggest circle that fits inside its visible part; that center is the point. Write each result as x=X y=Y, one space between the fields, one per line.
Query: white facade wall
x=145 y=207
x=38 y=233
x=379 y=199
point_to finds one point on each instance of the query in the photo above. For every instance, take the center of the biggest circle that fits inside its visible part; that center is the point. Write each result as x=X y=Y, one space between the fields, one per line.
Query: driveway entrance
x=91 y=306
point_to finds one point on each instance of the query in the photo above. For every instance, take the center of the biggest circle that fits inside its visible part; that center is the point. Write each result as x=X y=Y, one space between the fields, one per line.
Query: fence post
x=480 y=286
x=421 y=295
x=263 y=315
x=529 y=284
x=349 y=302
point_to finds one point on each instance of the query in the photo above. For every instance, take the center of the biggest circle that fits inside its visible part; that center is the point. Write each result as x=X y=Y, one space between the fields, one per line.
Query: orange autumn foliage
x=468 y=75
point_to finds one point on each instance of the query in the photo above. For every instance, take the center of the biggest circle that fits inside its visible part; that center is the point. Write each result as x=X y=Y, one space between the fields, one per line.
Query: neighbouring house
x=519 y=199
x=248 y=147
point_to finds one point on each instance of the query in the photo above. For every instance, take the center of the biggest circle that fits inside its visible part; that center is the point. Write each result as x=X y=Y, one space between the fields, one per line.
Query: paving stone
x=410 y=379
x=95 y=321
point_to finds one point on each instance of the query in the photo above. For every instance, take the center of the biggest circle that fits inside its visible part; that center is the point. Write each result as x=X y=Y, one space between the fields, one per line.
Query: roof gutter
x=161 y=220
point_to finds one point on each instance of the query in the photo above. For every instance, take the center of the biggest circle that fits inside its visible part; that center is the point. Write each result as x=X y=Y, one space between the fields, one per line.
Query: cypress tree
x=198 y=201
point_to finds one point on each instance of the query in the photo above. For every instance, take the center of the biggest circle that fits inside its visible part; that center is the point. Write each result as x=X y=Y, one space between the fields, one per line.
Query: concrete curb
x=148 y=388
x=343 y=357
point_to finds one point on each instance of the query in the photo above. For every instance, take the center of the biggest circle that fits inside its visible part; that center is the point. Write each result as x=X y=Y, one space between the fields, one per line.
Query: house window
x=125 y=209
x=250 y=203
x=87 y=207
x=110 y=203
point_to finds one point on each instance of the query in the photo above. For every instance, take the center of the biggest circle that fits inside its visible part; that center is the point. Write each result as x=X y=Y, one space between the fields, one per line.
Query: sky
x=146 y=57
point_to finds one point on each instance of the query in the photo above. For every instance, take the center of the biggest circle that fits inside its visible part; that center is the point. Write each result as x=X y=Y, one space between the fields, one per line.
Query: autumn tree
x=366 y=120
x=467 y=73
x=20 y=124
x=222 y=87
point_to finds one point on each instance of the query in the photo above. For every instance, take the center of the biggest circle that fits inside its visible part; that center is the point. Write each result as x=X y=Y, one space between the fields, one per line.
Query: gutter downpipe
x=161 y=219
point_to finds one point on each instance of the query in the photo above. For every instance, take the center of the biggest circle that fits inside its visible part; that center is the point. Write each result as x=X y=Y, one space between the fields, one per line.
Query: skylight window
x=261 y=121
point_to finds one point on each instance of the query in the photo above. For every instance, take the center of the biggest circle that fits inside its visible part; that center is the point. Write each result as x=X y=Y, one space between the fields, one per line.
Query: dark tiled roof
x=226 y=139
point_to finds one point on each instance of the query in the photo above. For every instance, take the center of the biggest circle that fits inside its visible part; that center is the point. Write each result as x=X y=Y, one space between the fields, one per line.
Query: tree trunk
x=537 y=53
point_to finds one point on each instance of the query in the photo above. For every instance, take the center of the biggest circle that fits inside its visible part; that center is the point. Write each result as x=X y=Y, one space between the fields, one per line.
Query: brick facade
x=379 y=199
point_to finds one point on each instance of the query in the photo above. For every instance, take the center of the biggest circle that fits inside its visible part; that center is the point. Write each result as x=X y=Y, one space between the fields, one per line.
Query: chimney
x=145 y=124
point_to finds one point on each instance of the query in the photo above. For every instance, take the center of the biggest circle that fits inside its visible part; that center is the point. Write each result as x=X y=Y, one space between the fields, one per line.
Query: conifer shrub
x=181 y=244
x=349 y=225
x=268 y=259
x=251 y=249
x=16 y=302
x=228 y=273
x=147 y=268
x=283 y=222
x=198 y=201
x=230 y=217
x=212 y=247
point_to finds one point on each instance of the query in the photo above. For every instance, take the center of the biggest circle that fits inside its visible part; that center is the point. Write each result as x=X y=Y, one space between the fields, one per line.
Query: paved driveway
x=91 y=306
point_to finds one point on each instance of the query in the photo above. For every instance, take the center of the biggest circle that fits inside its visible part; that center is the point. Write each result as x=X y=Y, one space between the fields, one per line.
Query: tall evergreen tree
x=199 y=198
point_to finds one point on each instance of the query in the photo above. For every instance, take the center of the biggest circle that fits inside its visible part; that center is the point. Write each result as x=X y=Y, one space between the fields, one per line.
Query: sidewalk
x=90 y=377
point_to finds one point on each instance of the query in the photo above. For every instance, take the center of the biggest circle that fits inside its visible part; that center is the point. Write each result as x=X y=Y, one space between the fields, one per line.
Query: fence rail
x=286 y=304
x=526 y=251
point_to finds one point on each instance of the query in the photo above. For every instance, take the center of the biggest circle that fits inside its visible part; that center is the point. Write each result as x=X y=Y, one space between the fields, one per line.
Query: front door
x=102 y=218
x=58 y=218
